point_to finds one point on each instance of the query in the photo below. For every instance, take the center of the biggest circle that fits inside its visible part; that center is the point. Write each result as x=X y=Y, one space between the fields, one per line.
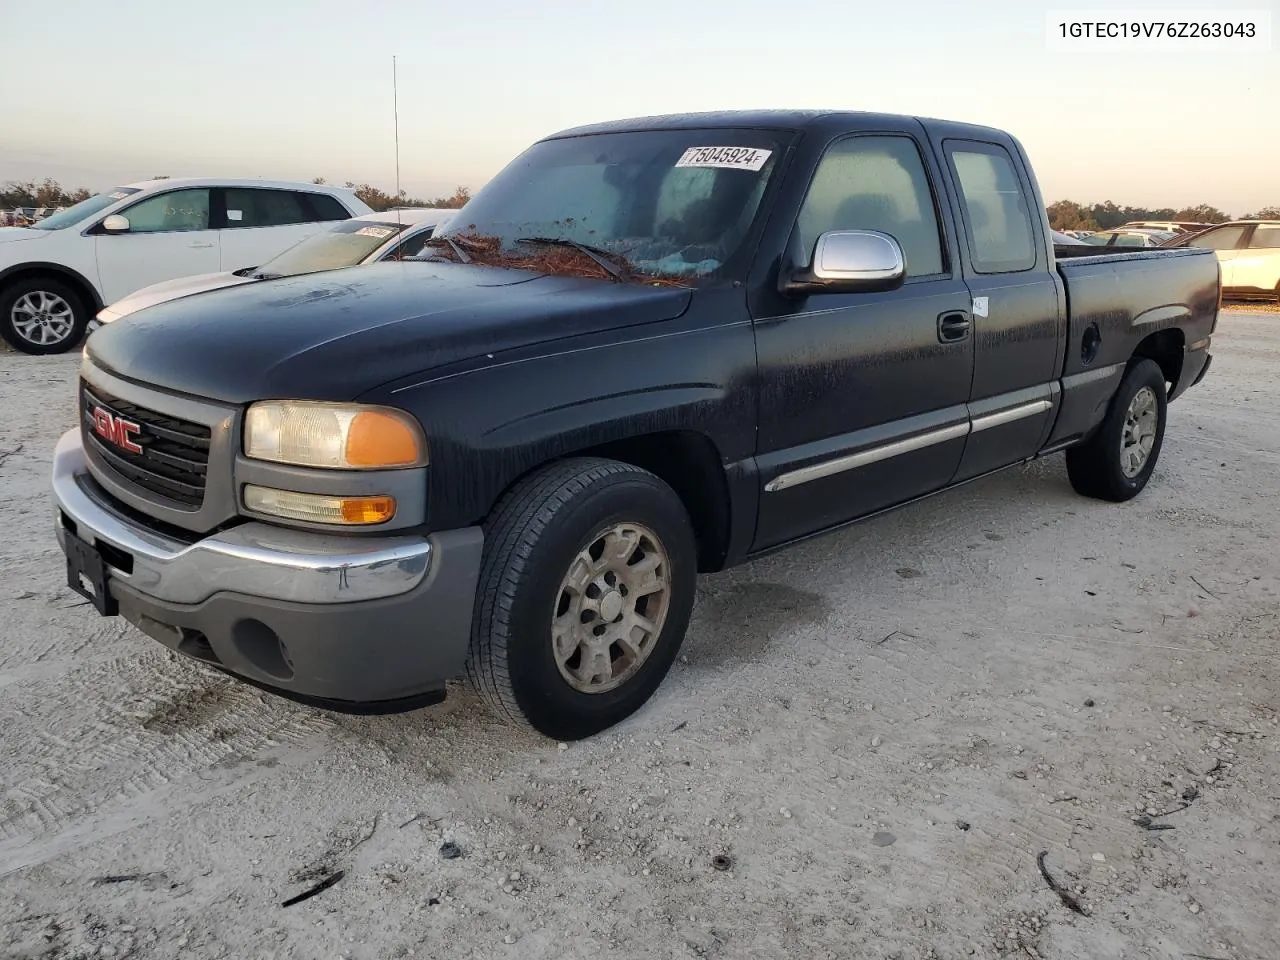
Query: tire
x=1107 y=466
x=42 y=315
x=535 y=541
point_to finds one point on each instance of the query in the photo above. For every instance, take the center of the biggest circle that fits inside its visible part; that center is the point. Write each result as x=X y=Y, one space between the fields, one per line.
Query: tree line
x=49 y=193
x=1063 y=215
x=380 y=200
x=1069 y=215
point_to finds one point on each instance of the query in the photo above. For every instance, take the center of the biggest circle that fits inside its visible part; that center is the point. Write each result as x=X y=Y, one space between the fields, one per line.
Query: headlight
x=335 y=435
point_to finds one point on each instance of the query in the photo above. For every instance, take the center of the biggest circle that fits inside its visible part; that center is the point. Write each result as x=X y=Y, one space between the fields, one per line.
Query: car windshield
x=85 y=208
x=672 y=205
x=343 y=245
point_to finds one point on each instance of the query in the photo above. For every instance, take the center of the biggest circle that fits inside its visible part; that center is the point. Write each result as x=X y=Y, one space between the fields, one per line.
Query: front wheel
x=42 y=316
x=585 y=593
x=1116 y=462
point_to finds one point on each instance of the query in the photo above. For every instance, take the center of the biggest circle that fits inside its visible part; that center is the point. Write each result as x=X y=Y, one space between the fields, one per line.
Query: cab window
x=874 y=183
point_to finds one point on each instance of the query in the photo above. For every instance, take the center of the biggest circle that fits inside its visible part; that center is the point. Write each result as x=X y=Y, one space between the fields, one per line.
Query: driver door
x=863 y=396
x=168 y=237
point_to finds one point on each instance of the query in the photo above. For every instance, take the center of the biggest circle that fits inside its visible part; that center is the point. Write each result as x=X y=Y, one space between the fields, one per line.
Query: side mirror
x=850 y=261
x=116 y=224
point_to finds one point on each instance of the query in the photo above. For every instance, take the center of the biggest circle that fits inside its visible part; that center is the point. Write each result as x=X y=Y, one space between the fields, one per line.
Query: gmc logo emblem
x=118 y=430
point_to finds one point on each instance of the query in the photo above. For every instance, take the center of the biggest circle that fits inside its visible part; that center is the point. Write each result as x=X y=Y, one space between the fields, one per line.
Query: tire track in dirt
x=126 y=727
x=80 y=827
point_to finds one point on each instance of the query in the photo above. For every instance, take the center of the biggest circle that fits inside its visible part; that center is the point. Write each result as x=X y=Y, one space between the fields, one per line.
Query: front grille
x=174 y=460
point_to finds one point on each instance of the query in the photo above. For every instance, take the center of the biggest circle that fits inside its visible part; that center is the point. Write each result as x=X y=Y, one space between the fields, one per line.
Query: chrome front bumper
x=255 y=559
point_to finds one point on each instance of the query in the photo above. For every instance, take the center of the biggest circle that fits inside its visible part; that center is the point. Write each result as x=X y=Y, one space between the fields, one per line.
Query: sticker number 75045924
x=731 y=158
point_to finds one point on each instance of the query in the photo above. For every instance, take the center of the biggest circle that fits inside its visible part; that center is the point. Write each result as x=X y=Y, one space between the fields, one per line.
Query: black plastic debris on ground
x=320 y=887
x=450 y=850
x=1068 y=899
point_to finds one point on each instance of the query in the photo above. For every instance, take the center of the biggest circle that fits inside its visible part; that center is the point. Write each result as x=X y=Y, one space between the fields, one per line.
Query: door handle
x=200 y=244
x=953 y=326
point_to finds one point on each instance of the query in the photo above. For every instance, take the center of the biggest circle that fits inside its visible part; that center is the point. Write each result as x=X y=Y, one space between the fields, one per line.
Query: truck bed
x=1127 y=298
x=1134 y=294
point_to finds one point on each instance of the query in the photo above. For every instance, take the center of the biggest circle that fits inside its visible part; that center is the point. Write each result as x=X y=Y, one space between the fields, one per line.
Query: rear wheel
x=585 y=593
x=42 y=315
x=1116 y=463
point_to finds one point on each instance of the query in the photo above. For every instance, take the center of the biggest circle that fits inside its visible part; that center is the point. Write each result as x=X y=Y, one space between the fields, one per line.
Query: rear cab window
x=996 y=214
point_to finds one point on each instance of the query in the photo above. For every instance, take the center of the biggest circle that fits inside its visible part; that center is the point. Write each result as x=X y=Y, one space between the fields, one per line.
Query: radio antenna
x=395 y=111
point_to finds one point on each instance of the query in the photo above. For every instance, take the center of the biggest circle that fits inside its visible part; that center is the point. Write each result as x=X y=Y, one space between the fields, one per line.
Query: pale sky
x=97 y=93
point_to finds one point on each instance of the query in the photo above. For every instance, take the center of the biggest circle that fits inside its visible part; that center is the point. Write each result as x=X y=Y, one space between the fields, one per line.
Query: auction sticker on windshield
x=730 y=158
x=374 y=232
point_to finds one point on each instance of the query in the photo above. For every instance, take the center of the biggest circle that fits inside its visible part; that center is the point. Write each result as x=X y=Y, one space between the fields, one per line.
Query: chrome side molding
x=852 y=461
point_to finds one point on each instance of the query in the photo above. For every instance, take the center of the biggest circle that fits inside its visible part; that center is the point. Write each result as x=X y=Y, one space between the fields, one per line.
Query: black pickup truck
x=646 y=349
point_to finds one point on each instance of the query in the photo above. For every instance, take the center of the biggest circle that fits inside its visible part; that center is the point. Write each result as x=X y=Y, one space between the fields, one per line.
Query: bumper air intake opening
x=196 y=644
x=262 y=647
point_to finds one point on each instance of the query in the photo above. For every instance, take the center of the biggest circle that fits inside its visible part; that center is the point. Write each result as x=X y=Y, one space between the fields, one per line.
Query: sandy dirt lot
x=866 y=745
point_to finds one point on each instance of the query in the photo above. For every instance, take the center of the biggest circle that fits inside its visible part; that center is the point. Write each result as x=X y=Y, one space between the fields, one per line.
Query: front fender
x=487 y=428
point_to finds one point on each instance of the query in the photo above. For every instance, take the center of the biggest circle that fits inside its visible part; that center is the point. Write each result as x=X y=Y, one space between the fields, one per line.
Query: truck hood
x=11 y=234
x=169 y=290
x=334 y=336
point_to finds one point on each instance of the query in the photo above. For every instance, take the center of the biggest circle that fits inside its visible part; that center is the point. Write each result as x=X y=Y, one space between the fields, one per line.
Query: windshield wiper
x=595 y=253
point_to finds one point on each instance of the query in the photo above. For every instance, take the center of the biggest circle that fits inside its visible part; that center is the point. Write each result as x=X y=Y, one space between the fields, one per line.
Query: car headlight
x=335 y=435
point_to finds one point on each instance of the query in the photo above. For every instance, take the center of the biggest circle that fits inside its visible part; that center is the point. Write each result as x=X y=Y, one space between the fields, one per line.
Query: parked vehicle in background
x=1248 y=253
x=21 y=216
x=645 y=349
x=1164 y=226
x=1061 y=237
x=56 y=273
x=1127 y=238
x=392 y=235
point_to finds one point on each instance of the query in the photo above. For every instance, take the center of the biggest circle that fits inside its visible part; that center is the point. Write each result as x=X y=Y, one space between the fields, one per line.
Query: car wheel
x=1116 y=462
x=585 y=592
x=42 y=316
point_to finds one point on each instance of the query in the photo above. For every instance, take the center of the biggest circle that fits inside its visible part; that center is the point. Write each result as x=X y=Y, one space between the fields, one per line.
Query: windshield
x=671 y=204
x=343 y=245
x=85 y=208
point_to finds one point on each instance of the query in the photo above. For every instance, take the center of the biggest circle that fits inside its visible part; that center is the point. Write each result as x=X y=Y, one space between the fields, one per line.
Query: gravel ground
x=865 y=747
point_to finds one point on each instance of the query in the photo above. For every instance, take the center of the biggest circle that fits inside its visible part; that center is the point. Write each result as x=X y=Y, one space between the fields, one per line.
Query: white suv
x=1248 y=254
x=55 y=274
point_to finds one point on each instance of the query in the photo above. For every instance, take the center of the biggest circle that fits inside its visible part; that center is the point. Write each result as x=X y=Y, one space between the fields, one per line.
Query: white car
x=55 y=273
x=393 y=235
x=1248 y=253
x=1127 y=238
